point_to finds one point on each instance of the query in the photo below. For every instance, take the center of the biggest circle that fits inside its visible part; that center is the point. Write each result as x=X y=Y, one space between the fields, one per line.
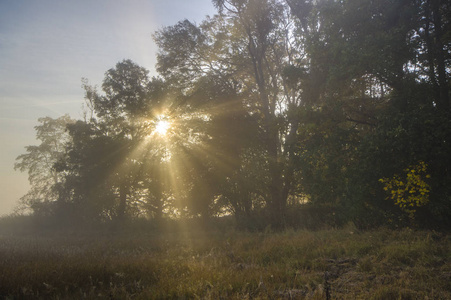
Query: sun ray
x=178 y=144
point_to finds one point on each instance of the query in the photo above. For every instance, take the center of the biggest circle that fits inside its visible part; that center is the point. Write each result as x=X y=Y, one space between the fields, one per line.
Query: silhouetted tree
x=39 y=162
x=105 y=160
x=270 y=102
x=245 y=48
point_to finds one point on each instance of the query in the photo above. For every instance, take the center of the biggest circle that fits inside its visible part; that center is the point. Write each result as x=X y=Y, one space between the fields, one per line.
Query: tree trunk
x=158 y=207
x=277 y=203
x=439 y=52
x=122 y=202
x=435 y=54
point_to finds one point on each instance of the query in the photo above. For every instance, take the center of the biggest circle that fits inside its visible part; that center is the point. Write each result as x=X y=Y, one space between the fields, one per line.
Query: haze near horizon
x=49 y=46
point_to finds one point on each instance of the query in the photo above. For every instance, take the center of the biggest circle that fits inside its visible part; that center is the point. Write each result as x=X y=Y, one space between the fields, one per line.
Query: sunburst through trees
x=265 y=106
x=162 y=126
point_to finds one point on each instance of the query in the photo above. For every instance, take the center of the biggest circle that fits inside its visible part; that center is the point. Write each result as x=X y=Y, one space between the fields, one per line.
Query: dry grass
x=379 y=264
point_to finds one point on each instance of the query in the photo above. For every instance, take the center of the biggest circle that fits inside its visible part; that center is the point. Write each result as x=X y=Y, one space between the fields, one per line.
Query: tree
x=106 y=156
x=39 y=162
x=245 y=48
x=434 y=47
x=379 y=80
x=269 y=102
x=88 y=168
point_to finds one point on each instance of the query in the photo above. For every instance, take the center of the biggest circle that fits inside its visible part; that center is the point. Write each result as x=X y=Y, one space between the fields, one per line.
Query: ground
x=226 y=264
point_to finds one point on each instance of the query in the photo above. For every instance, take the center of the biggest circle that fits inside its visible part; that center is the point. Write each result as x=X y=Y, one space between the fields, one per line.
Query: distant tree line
x=279 y=112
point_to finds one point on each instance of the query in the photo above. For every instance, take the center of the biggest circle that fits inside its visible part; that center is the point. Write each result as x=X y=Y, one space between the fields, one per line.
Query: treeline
x=277 y=112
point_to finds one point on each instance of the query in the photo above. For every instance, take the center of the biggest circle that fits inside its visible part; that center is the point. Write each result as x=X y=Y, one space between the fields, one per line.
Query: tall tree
x=434 y=52
x=247 y=48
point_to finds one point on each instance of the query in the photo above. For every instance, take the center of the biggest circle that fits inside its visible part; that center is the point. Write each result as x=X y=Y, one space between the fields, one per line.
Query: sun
x=162 y=127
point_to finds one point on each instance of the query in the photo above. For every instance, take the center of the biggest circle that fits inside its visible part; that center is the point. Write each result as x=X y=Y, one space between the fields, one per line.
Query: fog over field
x=225 y=149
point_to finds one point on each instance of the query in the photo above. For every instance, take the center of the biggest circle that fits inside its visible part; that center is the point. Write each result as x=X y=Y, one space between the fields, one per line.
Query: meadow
x=194 y=263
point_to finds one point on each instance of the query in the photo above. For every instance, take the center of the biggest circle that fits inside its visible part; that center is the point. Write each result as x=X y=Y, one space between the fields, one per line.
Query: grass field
x=334 y=264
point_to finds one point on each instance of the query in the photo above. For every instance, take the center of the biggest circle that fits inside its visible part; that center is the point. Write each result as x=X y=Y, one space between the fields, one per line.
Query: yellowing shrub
x=411 y=191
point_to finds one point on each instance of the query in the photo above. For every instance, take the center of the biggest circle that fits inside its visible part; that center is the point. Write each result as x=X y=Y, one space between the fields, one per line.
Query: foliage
x=275 y=108
x=411 y=191
x=39 y=162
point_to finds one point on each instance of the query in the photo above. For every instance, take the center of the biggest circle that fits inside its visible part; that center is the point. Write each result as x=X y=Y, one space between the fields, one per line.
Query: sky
x=48 y=46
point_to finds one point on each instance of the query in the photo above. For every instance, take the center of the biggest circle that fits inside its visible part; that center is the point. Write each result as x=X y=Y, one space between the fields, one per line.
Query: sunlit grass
x=230 y=265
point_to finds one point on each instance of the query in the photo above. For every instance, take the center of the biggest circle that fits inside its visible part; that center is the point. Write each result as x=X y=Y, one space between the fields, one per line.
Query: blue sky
x=47 y=46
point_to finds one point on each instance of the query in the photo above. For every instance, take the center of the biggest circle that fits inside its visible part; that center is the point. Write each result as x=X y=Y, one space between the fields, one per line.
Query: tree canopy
x=270 y=109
